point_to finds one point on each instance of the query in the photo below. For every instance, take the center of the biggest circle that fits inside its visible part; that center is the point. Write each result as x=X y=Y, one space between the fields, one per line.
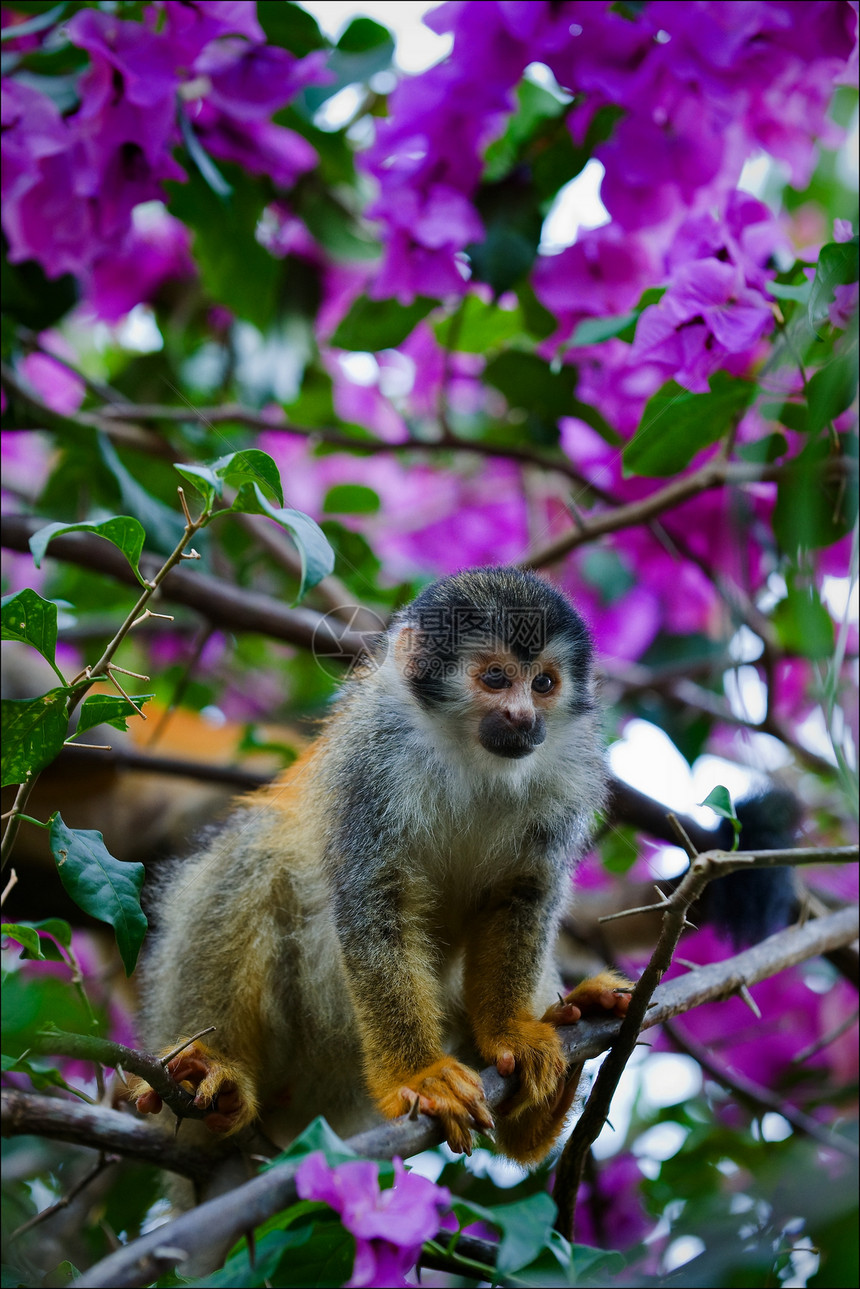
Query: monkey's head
x=501 y=655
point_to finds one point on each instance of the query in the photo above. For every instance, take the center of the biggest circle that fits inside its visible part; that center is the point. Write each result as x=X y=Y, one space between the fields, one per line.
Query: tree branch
x=97 y=1127
x=230 y=1215
x=642 y=1013
x=715 y=474
x=223 y=605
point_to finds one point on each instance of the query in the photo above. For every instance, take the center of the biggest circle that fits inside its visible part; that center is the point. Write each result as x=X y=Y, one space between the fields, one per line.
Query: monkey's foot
x=449 y=1091
x=530 y=1048
x=607 y=994
x=221 y=1084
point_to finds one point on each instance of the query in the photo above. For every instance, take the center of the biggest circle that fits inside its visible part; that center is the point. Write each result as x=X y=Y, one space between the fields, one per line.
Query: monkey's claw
x=448 y=1091
x=605 y=993
x=213 y=1082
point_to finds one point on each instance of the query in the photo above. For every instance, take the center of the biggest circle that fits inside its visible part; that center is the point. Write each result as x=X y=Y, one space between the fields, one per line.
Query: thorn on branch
x=683 y=837
x=113 y=680
x=184 y=504
x=165 y=1060
x=148 y=613
x=744 y=993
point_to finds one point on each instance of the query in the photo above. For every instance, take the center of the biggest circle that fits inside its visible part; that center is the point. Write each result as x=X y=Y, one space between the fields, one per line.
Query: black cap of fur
x=493 y=607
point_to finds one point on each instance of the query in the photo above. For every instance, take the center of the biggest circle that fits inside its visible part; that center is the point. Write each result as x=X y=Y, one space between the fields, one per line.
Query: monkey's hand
x=222 y=1085
x=450 y=1092
x=607 y=994
x=532 y=1049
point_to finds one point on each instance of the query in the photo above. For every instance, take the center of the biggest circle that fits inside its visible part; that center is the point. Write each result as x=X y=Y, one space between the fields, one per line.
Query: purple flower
x=604 y=273
x=156 y=252
x=389 y=1226
x=844 y=305
x=707 y=314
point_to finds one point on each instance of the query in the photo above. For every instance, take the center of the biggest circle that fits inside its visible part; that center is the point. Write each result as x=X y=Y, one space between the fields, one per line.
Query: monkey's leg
x=390 y=964
x=504 y=965
x=528 y=1136
x=225 y=1086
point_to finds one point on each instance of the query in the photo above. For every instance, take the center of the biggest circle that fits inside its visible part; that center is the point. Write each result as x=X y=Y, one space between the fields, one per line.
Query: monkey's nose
x=523 y=721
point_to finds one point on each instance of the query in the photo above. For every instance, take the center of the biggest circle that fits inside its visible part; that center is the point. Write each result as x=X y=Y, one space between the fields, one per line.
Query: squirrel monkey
x=391 y=901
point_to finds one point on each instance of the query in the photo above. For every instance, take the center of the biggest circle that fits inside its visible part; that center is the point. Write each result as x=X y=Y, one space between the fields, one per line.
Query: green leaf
x=785 y=291
x=530 y=384
x=813 y=506
x=26 y=936
x=29 y=618
x=831 y=390
x=525 y=1227
x=477 y=327
x=102 y=886
x=317 y=1136
x=592 y=331
x=334 y=226
x=238 y=1271
x=513 y=220
x=235 y=269
x=203 y=479
x=372 y=325
x=535 y=107
x=250 y=466
x=324 y=1258
x=765 y=450
x=42 y=1077
x=837 y=266
x=34 y=730
x=290 y=26
x=108 y=709
x=316 y=555
x=676 y=424
x=720 y=801
x=365 y=48
x=163 y=525
x=38 y=23
x=803 y=624
x=351 y=499
x=52 y=929
x=123 y=531
x=33 y=299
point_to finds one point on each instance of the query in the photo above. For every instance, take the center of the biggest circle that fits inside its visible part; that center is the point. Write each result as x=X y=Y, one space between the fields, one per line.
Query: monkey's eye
x=543 y=683
x=495 y=678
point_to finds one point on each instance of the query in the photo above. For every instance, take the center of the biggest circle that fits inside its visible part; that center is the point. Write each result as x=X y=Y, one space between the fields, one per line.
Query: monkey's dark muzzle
x=510 y=741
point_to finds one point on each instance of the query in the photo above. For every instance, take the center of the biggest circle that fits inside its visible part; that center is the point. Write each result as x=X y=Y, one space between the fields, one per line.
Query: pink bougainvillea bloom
x=844 y=305
x=157 y=251
x=389 y=1226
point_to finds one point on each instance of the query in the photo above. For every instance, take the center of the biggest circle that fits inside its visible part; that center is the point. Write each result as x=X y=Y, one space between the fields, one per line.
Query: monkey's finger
x=457 y=1133
x=506 y=1064
x=562 y=1014
x=149 y=1102
x=188 y=1068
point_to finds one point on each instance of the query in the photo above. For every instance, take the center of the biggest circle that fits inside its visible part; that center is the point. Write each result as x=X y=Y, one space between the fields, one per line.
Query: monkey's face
x=514 y=700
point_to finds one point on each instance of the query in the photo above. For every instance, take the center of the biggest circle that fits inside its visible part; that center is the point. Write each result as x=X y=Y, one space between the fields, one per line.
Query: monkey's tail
x=752 y=903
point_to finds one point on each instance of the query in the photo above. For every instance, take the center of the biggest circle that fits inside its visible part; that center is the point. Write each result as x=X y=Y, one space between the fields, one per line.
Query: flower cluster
x=389 y=1226
x=701 y=87
x=71 y=182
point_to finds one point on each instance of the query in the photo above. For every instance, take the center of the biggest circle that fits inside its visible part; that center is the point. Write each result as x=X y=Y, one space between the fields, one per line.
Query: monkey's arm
x=389 y=962
x=506 y=964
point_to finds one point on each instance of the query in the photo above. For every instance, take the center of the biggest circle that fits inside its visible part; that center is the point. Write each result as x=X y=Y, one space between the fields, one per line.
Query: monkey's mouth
x=512 y=744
